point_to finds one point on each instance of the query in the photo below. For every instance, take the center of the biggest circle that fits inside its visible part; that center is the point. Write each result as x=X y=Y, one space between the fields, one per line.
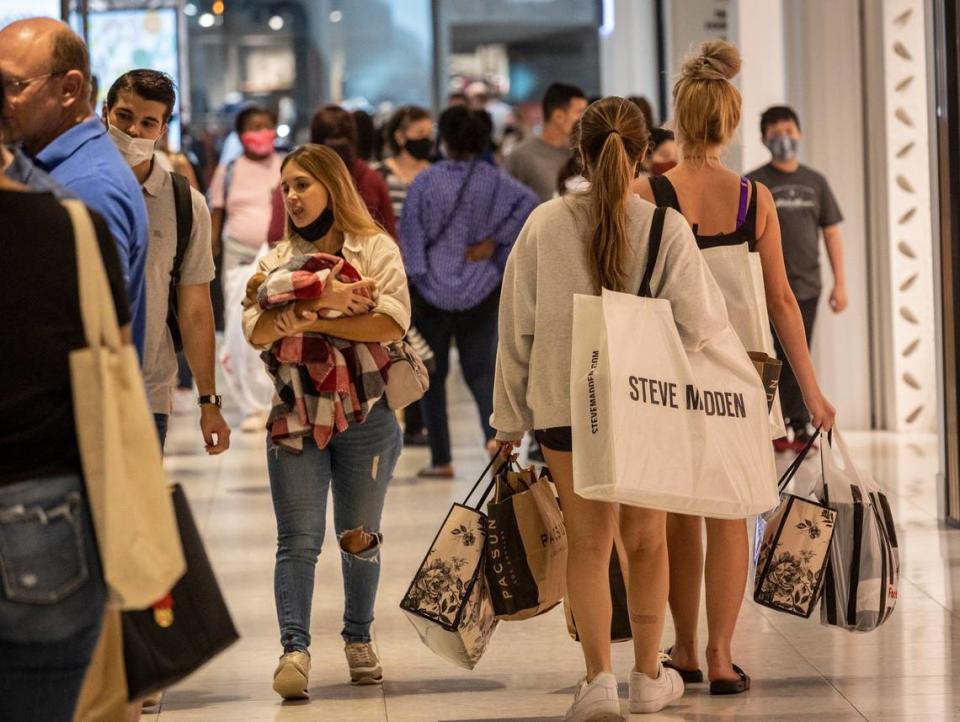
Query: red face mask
x=662 y=167
x=259 y=142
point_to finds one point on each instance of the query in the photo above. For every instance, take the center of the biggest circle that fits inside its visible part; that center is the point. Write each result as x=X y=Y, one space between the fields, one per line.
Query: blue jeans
x=51 y=597
x=357 y=466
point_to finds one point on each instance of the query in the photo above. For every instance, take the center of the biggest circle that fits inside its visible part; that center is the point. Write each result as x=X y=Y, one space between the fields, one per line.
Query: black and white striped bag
x=863 y=571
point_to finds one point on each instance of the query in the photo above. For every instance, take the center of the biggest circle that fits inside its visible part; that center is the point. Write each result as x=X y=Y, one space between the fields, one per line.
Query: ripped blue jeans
x=356 y=467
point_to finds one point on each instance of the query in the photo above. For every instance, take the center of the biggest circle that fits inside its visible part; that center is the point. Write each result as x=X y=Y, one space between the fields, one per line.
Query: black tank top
x=665 y=195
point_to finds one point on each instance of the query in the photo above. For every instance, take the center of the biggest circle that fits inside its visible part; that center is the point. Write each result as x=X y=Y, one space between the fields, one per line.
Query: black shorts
x=559 y=438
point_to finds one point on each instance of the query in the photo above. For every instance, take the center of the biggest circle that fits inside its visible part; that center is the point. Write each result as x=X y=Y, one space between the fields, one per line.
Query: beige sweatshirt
x=547 y=266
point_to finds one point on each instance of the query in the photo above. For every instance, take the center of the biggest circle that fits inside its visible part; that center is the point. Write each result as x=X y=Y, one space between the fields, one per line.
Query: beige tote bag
x=119 y=450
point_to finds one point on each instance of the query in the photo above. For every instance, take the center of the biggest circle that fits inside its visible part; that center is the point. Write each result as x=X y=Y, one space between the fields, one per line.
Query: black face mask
x=421 y=148
x=316 y=230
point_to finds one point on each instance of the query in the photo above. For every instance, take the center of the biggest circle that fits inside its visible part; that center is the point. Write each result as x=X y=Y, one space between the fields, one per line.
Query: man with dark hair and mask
x=806 y=206
x=137 y=110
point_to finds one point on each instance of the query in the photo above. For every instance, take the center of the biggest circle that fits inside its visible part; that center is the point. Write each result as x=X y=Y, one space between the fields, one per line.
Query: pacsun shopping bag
x=119 y=450
x=660 y=426
x=860 y=591
x=526 y=556
x=169 y=641
x=795 y=546
x=739 y=274
x=447 y=601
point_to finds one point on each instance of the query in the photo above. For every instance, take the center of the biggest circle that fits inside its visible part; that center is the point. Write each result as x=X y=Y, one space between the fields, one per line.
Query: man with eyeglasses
x=46 y=78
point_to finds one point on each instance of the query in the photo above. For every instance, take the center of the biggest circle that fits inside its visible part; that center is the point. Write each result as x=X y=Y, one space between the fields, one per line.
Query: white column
x=909 y=218
x=757 y=29
x=628 y=50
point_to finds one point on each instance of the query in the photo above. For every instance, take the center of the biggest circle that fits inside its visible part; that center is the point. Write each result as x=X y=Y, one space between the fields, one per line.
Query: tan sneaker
x=292 y=677
x=364 y=663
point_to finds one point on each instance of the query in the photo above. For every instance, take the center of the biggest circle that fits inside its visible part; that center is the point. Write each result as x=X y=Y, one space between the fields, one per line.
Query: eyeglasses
x=15 y=87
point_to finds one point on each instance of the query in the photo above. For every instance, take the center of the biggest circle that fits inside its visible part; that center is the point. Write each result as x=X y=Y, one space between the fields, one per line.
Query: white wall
x=824 y=84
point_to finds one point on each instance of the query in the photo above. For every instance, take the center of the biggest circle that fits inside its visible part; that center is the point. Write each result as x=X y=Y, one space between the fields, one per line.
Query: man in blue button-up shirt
x=46 y=76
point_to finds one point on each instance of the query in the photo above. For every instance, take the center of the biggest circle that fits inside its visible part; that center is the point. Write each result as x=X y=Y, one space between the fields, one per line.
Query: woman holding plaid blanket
x=327 y=298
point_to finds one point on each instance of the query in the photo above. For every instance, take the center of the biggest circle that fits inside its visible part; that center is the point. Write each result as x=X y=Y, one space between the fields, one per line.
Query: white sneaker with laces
x=652 y=695
x=364 y=663
x=596 y=701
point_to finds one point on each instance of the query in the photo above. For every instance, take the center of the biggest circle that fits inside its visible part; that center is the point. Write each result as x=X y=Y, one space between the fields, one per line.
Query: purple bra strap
x=742 y=212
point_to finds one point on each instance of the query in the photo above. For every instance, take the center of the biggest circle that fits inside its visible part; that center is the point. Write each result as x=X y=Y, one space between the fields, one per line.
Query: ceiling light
x=275 y=23
x=283 y=130
x=206 y=20
x=190 y=10
x=217 y=7
x=336 y=16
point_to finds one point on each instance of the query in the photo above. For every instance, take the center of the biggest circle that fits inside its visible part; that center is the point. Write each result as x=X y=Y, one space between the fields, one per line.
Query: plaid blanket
x=323 y=383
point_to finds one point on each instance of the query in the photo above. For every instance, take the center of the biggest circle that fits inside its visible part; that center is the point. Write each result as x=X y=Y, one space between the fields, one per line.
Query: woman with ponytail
x=707 y=113
x=581 y=243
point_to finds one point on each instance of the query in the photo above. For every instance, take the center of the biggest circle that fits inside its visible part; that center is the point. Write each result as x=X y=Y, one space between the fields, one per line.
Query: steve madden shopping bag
x=863 y=574
x=447 y=601
x=661 y=426
x=526 y=556
x=794 y=548
x=739 y=274
x=119 y=450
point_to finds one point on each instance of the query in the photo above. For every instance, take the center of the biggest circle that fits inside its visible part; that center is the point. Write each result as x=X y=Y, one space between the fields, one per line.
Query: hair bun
x=718 y=60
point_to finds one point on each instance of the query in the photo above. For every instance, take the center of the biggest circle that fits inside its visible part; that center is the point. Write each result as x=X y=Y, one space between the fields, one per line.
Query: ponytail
x=610 y=183
x=613 y=138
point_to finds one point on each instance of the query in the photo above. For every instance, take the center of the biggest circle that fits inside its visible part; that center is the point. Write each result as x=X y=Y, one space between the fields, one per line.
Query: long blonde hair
x=706 y=105
x=350 y=214
x=613 y=137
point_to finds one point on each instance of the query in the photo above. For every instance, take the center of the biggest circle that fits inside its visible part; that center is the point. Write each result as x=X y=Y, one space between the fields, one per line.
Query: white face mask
x=134 y=150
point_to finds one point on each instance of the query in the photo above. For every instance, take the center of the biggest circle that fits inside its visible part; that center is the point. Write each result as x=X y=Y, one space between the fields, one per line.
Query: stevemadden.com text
x=665 y=393
x=592 y=393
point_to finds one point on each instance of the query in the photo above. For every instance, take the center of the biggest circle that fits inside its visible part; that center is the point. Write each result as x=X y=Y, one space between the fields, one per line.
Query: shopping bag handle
x=483 y=474
x=796 y=463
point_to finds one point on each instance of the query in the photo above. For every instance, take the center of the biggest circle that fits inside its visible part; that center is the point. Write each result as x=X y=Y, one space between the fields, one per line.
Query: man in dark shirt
x=805 y=206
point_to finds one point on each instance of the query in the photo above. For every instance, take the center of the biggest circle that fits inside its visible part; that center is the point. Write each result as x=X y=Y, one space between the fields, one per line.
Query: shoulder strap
x=96 y=303
x=183 y=204
x=656 y=236
x=750 y=222
x=742 y=208
x=664 y=193
x=456 y=204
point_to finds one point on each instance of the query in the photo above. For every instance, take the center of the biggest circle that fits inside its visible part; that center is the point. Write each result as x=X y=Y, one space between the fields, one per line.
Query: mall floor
x=800 y=670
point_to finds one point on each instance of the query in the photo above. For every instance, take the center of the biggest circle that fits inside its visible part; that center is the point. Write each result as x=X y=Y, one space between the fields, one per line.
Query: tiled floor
x=801 y=670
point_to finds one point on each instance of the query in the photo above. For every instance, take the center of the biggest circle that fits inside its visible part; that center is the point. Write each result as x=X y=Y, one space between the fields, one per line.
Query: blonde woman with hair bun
x=723 y=209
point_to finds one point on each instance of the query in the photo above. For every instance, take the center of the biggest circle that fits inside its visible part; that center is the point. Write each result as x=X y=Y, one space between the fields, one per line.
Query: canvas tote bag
x=660 y=426
x=739 y=273
x=119 y=451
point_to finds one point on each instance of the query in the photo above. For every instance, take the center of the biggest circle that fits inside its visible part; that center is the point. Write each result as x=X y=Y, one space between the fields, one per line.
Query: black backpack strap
x=664 y=194
x=183 y=204
x=750 y=223
x=445 y=223
x=656 y=236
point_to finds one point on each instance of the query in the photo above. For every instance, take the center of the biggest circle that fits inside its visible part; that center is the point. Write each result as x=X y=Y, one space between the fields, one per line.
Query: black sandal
x=689 y=676
x=726 y=686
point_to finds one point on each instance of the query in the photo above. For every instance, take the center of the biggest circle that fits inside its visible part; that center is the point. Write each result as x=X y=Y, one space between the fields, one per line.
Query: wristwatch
x=214 y=399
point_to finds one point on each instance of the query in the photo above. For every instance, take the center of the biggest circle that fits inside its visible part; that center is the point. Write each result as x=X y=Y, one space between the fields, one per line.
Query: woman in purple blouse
x=459 y=222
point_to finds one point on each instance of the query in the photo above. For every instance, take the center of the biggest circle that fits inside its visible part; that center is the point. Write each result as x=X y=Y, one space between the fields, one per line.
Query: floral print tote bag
x=448 y=602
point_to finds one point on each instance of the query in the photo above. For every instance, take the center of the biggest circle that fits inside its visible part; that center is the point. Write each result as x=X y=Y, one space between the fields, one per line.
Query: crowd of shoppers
x=437 y=236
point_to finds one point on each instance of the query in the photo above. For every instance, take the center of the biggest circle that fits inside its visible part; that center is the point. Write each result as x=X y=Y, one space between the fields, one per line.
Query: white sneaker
x=596 y=701
x=292 y=677
x=652 y=695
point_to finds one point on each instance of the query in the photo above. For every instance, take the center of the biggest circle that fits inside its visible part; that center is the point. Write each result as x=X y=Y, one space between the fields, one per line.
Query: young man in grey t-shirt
x=805 y=206
x=537 y=161
x=137 y=110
